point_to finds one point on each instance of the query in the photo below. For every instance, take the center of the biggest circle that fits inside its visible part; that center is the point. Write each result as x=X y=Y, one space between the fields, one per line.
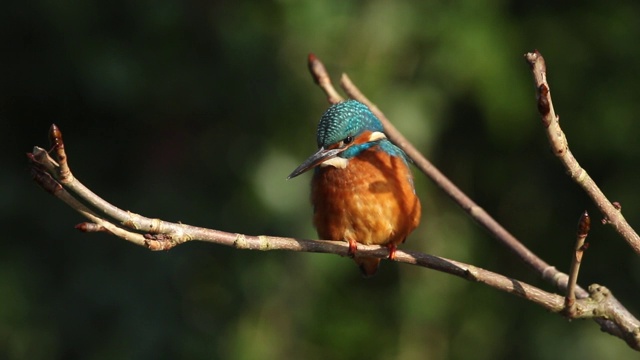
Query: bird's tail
x=368 y=265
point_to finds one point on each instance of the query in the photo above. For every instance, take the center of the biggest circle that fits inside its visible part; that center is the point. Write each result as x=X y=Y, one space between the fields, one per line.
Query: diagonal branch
x=560 y=147
x=56 y=177
x=630 y=332
x=548 y=272
x=476 y=212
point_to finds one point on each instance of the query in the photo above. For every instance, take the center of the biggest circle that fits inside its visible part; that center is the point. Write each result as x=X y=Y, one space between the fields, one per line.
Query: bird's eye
x=347 y=140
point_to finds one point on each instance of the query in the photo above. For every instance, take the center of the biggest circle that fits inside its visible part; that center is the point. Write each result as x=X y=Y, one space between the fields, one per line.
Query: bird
x=362 y=189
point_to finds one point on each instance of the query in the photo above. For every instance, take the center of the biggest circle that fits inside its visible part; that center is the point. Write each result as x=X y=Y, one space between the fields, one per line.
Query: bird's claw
x=353 y=246
x=392 y=251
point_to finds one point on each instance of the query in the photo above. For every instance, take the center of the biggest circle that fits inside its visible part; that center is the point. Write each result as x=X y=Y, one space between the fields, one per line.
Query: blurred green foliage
x=196 y=111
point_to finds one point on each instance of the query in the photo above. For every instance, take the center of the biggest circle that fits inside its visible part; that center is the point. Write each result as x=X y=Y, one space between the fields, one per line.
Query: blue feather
x=352 y=118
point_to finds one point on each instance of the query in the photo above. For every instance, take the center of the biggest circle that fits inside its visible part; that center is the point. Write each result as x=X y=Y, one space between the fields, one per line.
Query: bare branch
x=560 y=147
x=170 y=234
x=155 y=234
x=47 y=173
x=629 y=330
x=40 y=159
x=322 y=79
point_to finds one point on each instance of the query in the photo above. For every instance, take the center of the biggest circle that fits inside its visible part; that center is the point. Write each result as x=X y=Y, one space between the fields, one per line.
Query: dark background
x=197 y=111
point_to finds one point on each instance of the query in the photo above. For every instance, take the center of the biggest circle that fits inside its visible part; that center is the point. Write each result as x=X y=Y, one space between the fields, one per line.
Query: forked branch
x=56 y=177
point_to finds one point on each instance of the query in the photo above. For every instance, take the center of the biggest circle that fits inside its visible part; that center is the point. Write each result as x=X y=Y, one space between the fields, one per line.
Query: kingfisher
x=362 y=188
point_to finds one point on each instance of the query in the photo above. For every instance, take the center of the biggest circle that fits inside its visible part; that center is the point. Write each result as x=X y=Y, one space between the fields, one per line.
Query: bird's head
x=346 y=129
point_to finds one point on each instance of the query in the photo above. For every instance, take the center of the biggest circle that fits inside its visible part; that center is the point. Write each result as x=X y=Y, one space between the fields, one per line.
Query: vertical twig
x=584 y=225
x=55 y=136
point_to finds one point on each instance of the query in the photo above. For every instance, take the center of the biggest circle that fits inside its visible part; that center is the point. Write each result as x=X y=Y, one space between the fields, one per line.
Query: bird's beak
x=316 y=159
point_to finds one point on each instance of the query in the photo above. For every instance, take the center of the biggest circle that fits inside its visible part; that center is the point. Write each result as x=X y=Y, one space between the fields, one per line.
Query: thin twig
x=584 y=225
x=41 y=160
x=322 y=79
x=560 y=147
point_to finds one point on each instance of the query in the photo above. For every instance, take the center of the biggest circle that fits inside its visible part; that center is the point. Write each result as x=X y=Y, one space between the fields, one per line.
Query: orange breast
x=371 y=201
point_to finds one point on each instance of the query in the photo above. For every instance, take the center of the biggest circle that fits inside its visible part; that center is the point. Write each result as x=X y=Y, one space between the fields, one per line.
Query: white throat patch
x=336 y=162
x=377 y=135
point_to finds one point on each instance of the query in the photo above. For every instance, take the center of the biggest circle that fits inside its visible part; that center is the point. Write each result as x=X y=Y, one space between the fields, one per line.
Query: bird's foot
x=392 y=251
x=353 y=246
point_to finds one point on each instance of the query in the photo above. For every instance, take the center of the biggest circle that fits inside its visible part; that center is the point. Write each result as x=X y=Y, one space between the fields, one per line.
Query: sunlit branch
x=56 y=177
x=168 y=235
